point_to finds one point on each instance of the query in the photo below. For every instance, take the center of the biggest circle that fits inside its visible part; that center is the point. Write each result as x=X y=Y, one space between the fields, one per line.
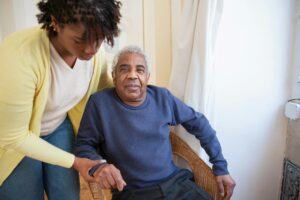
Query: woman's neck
x=64 y=54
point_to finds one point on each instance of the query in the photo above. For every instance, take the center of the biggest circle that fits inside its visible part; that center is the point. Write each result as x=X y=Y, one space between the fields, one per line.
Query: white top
x=67 y=87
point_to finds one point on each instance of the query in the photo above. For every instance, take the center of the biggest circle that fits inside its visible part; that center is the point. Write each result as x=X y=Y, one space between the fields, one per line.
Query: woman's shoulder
x=25 y=36
x=25 y=48
x=26 y=42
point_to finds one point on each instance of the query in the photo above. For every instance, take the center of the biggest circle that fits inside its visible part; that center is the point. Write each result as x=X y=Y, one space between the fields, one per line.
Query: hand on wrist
x=99 y=165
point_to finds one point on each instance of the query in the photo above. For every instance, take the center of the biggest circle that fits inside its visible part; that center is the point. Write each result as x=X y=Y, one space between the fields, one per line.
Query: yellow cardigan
x=24 y=83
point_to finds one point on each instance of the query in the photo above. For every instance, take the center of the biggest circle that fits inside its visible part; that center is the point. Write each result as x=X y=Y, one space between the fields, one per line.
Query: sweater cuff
x=94 y=169
x=220 y=169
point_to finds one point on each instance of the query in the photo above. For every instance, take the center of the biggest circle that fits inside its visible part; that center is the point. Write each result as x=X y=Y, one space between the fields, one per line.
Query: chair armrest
x=203 y=174
x=90 y=191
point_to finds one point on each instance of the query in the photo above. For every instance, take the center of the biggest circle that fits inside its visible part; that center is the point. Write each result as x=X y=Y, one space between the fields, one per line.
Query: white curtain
x=194 y=27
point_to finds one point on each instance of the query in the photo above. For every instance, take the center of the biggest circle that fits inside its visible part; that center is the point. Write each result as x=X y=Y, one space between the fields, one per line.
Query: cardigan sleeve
x=19 y=88
x=105 y=76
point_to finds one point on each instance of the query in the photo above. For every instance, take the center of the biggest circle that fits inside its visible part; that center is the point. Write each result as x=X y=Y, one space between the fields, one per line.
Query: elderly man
x=128 y=126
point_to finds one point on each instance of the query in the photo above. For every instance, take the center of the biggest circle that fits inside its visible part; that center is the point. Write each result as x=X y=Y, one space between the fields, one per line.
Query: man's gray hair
x=129 y=49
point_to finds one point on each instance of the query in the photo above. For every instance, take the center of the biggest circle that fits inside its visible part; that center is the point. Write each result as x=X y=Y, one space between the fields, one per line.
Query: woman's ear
x=54 y=24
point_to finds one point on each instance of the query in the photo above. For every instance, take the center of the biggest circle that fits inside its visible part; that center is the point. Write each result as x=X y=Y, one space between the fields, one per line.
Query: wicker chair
x=202 y=173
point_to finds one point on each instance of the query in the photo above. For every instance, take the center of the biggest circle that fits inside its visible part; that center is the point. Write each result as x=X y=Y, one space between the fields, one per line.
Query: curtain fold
x=194 y=28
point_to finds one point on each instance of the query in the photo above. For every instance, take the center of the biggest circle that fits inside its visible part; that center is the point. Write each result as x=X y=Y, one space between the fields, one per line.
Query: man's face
x=131 y=78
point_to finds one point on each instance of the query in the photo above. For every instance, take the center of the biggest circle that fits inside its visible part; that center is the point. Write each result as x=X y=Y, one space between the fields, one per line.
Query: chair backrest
x=203 y=174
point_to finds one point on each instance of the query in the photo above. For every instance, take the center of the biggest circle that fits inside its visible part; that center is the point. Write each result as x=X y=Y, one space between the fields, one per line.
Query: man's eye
x=140 y=70
x=123 y=69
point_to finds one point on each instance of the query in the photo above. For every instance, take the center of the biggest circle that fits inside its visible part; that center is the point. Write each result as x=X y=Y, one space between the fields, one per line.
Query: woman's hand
x=83 y=165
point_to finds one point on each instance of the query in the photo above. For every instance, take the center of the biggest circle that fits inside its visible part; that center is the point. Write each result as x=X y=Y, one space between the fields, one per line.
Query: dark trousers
x=179 y=187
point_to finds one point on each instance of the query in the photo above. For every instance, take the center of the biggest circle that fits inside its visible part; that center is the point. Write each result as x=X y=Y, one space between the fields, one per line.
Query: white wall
x=16 y=14
x=296 y=59
x=253 y=61
x=7 y=24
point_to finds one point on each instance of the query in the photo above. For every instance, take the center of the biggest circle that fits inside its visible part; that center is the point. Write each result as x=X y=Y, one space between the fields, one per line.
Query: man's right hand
x=108 y=177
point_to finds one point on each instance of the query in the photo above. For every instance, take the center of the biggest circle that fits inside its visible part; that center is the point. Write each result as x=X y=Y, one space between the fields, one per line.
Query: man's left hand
x=226 y=185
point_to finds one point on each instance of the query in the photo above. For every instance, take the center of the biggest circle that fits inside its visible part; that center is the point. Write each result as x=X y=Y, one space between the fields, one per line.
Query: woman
x=47 y=75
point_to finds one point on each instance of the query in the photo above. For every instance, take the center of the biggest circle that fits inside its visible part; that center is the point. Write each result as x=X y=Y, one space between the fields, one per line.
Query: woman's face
x=70 y=41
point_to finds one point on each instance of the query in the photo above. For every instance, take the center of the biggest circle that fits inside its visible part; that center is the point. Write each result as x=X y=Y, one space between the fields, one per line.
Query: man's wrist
x=93 y=169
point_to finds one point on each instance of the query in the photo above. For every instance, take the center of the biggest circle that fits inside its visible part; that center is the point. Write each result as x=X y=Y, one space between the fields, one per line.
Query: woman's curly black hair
x=93 y=14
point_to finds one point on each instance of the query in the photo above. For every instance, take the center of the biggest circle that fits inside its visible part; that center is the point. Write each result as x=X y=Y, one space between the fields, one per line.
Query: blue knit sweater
x=136 y=139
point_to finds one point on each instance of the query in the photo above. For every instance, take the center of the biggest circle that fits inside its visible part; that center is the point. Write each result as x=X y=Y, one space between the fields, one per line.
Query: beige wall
x=163 y=41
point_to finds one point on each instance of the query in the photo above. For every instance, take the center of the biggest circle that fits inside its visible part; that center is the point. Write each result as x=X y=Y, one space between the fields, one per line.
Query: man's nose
x=132 y=74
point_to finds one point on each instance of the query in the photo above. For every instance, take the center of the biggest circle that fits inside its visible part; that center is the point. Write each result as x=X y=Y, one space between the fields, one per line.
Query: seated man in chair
x=128 y=126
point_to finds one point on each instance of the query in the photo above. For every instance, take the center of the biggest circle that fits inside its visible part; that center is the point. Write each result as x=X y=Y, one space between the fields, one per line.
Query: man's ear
x=113 y=75
x=148 y=76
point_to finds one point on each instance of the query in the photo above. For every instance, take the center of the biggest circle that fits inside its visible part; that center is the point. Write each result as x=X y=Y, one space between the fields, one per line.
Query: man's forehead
x=131 y=54
x=127 y=57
